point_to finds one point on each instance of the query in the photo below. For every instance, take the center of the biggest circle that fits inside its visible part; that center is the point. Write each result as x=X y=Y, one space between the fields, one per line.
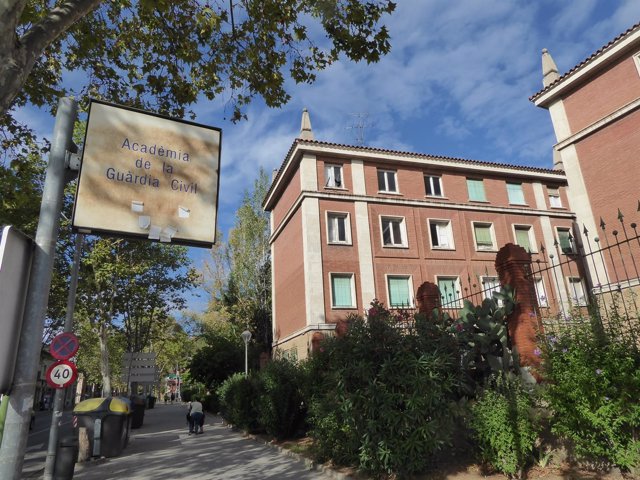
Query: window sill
x=557 y=208
x=489 y=250
x=343 y=308
x=445 y=249
x=439 y=197
x=384 y=192
x=479 y=201
x=518 y=204
x=343 y=189
x=395 y=246
x=341 y=244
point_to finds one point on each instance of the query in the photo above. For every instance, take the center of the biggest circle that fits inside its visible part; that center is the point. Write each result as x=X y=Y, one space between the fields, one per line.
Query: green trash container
x=137 y=411
x=107 y=421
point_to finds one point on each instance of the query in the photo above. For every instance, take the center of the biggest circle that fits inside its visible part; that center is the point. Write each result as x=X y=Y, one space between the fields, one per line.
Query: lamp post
x=246 y=336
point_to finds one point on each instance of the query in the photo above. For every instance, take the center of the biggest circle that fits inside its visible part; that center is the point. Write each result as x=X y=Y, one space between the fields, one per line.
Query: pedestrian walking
x=196 y=417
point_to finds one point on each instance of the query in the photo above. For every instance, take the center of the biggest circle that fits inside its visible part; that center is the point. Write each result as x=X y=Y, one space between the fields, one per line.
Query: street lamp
x=246 y=336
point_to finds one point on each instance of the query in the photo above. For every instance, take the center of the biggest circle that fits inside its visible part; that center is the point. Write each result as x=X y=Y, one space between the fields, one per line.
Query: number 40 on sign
x=61 y=374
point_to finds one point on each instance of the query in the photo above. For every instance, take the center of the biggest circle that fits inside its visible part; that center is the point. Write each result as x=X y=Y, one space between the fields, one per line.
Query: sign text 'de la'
x=148 y=176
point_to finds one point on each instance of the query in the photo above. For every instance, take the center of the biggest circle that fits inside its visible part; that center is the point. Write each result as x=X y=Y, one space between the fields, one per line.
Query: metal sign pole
x=58 y=399
x=16 y=431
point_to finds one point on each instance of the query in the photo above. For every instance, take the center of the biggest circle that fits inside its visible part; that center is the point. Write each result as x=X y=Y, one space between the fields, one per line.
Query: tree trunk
x=105 y=368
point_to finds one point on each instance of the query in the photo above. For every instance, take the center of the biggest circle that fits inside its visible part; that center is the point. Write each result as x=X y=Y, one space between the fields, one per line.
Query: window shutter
x=399 y=292
x=483 y=235
x=476 y=190
x=342 y=291
x=522 y=238
x=516 y=195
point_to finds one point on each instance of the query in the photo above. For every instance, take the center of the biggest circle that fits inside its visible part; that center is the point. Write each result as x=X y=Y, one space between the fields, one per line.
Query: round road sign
x=61 y=374
x=64 y=346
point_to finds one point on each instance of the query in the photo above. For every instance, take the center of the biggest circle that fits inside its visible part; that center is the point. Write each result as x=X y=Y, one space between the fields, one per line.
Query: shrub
x=237 y=401
x=385 y=394
x=593 y=384
x=503 y=425
x=211 y=402
x=281 y=410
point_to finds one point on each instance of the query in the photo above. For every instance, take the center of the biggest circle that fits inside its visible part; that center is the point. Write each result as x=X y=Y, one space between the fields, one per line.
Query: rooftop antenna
x=358 y=126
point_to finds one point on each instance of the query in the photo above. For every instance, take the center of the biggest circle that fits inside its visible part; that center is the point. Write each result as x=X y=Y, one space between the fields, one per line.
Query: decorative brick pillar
x=524 y=323
x=428 y=298
x=316 y=338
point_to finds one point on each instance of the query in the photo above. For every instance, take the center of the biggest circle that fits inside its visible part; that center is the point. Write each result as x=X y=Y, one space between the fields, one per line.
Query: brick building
x=595 y=111
x=352 y=223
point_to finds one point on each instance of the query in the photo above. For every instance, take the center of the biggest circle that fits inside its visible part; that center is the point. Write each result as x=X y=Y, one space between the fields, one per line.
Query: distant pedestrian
x=196 y=417
x=173 y=397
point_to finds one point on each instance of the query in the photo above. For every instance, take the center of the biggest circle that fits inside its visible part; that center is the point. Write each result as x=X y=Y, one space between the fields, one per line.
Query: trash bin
x=137 y=411
x=107 y=421
x=66 y=458
x=151 y=401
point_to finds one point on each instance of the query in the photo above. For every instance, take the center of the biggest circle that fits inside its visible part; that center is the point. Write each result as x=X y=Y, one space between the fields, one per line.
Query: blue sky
x=456 y=83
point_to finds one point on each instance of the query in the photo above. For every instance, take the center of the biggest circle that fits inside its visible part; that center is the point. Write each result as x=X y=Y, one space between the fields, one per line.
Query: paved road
x=162 y=448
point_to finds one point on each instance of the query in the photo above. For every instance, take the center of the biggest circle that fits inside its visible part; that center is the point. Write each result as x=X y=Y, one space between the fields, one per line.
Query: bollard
x=66 y=457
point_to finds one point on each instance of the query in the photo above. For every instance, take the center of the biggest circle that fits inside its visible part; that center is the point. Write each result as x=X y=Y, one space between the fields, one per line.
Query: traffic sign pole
x=58 y=398
x=14 y=442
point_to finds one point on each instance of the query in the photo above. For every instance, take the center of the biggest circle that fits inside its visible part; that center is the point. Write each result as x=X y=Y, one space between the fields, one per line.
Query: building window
x=541 y=294
x=484 y=237
x=490 y=285
x=387 y=181
x=338 y=229
x=433 y=186
x=342 y=290
x=441 y=234
x=393 y=231
x=566 y=240
x=554 y=197
x=333 y=176
x=449 y=291
x=524 y=237
x=476 y=190
x=516 y=195
x=576 y=291
x=400 y=291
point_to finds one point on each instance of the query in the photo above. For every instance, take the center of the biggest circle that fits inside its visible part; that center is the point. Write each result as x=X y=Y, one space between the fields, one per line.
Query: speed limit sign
x=61 y=374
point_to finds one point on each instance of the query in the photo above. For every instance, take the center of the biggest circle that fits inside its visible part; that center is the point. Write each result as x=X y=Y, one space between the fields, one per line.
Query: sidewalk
x=162 y=448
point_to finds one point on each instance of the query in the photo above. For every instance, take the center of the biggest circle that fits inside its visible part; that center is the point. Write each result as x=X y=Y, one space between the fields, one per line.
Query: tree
x=163 y=54
x=131 y=285
x=248 y=291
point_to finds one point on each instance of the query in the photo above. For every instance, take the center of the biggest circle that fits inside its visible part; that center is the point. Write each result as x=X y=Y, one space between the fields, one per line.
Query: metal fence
x=591 y=278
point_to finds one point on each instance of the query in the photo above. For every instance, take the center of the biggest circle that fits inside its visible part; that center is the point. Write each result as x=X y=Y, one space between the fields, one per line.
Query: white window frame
x=511 y=202
x=409 y=286
x=541 y=292
x=532 y=237
x=555 y=200
x=457 y=301
x=449 y=231
x=347 y=227
x=574 y=248
x=330 y=178
x=480 y=248
x=484 y=191
x=432 y=179
x=403 y=232
x=353 y=290
x=387 y=172
x=574 y=292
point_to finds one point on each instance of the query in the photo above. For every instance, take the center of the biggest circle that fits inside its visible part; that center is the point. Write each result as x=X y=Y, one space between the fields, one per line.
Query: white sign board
x=148 y=176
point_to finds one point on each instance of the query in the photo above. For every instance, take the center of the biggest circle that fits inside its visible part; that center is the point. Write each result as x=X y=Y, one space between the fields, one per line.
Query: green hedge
x=238 y=395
